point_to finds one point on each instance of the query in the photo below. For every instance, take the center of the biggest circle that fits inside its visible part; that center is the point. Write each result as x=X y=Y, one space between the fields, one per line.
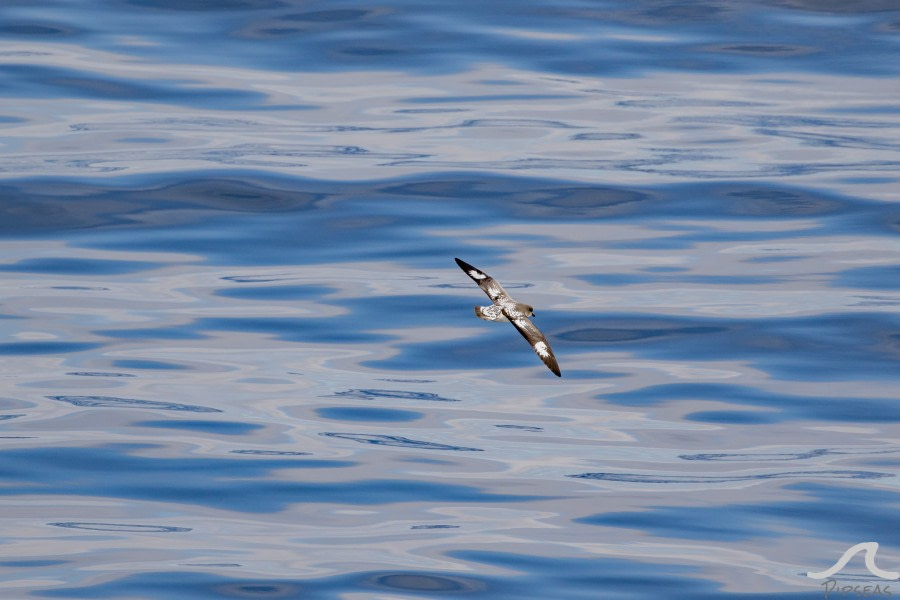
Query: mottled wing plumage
x=537 y=340
x=505 y=308
x=490 y=313
x=487 y=283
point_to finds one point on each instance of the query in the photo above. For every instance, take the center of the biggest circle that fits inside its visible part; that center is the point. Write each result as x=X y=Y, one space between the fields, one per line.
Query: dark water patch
x=667 y=101
x=371 y=51
x=774 y=259
x=329 y=16
x=36 y=30
x=121 y=527
x=40 y=81
x=254 y=218
x=116 y=471
x=270 y=452
x=516 y=123
x=255 y=278
x=250 y=194
x=204 y=5
x=714 y=479
x=535 y=575
x=352 y=413
x=665 y=269
x=113 y=402
x=275 y=292
x=892 y=220
x=78 y=266
x=770 y=121
x=830 y=140
x=520 y=427
x=787 y=456
x=155 y=365
x=439 y=526
x=861 y=7
x=605 y=136
x=688 y=522
x=98 y=374
x=423 y=583
x=214 y=427
x=429 y=39
x=845 y=409
x=882 y=277
x=609 y=335
x=14 y=564
x=372 y=394
x=209 y=586
x=538 y=199
x=826 y=347
x=398 y=441
x=40 y=206
x=583 y=202
x=756 y=457
x=8 y=417
x=734 y=417
x=838 y=513
x=49 y=348
x=770 y=201
x=761 y=49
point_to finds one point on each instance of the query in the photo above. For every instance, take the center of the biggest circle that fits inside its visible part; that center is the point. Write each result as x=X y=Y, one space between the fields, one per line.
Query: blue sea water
x=239 y=361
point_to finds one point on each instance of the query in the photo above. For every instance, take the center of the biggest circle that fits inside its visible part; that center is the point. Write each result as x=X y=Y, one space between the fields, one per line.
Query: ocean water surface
x=238 y=360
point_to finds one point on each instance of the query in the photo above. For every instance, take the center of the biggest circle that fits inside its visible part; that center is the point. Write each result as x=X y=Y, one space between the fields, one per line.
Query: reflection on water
x=248 y=209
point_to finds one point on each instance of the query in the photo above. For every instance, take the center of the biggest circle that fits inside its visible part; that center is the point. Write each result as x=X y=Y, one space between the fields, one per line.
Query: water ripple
x=113 y=402
x=121 y=527
x=713 y=479
x=98 y=374
x=372 y=394
x=396 y=440
x=270 y=452
x=782 y=456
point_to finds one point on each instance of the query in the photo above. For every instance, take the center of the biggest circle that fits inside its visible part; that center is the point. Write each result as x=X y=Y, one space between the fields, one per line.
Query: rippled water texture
x=239 y=361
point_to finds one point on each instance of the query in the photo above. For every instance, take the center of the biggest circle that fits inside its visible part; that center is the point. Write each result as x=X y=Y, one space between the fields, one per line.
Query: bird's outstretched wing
x=535 y=338
x=487 y=283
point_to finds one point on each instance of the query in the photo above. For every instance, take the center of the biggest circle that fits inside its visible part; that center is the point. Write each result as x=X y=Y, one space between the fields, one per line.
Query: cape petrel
x=505 y=308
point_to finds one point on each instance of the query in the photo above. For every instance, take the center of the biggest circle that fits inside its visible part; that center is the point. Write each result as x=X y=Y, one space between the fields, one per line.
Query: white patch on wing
x=541 y=348
x=477 y=274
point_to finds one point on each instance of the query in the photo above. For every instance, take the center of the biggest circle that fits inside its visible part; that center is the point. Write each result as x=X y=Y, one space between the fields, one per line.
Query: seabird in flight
x=505 y=308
